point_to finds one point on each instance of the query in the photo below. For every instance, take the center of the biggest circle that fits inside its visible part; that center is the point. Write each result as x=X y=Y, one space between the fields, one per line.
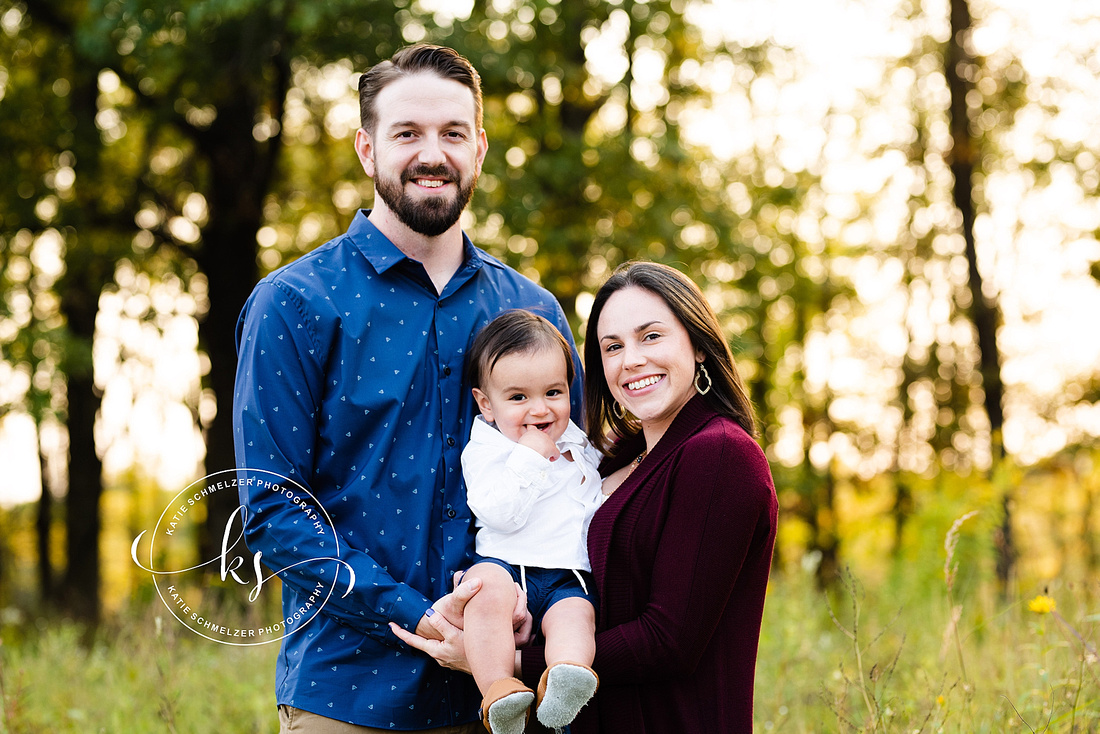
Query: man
x=350 y=384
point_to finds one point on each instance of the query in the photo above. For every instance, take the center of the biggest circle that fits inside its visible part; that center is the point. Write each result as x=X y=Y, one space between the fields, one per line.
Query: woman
x=681 y=548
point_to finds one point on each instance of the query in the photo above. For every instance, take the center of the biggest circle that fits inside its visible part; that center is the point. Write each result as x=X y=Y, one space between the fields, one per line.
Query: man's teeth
x=431 y=184
x=644 y=382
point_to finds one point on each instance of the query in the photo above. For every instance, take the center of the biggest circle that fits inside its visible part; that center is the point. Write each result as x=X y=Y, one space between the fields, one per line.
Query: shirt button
x=450 y=441
x=446 y=371
x=451 y=514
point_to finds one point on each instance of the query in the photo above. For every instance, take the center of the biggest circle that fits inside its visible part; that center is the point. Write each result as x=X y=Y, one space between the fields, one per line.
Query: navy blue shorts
x=547 y=586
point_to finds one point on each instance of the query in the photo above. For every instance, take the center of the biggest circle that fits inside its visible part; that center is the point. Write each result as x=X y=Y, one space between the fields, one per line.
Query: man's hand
x=445 y=643
x=452 y=607
x=535 y=439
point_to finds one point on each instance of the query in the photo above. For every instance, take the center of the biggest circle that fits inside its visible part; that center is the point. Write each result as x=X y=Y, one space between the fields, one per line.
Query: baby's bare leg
x=487 y=625
x=569 y=682
x=570 y=630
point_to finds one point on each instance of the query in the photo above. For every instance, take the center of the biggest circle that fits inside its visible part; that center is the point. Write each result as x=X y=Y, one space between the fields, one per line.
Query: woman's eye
x=612 y=348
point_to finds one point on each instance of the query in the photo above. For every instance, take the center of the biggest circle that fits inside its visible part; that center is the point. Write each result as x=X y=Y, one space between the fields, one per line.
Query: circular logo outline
x=205 y=481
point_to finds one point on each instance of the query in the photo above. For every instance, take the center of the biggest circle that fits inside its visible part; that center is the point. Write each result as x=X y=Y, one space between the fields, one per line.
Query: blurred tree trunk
x=43 y=523
x=87 y=270
x=818 y=486
x=244 y=174
x=81 y=588
x=960 y=71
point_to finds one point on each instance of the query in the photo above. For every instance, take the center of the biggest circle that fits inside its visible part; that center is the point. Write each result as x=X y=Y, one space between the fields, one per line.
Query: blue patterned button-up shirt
x=350 y=383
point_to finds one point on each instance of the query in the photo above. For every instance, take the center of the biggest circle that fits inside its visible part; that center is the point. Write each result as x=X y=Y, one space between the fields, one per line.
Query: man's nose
x=431 y=152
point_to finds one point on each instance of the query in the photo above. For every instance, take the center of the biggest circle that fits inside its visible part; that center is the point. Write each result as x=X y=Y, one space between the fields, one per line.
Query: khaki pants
x=297 y=721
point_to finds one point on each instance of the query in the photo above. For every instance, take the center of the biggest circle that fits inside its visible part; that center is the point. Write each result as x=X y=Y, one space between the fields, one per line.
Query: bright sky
x=1034 y=245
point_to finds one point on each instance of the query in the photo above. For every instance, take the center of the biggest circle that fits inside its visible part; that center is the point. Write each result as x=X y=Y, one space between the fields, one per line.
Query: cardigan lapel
x=695 y=414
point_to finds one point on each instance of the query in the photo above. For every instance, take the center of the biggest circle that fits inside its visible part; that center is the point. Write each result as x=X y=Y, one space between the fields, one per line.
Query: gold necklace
x=632 y=466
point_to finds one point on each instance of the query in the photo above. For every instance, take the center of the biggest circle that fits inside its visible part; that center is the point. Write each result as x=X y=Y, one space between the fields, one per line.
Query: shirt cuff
x=409 y=608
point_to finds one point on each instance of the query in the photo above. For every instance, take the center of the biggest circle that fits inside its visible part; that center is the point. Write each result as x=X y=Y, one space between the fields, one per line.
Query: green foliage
x=207 y=142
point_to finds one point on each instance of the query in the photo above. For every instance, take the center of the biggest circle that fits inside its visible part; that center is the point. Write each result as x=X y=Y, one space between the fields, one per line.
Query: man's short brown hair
x=421 y=58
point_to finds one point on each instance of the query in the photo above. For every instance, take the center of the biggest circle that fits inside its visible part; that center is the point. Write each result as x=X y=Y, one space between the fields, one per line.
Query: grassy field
x=888 y=656
x=887 y=659
x=149 y=674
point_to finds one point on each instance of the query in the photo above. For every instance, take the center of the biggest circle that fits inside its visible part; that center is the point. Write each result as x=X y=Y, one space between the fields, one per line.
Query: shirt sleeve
x=718 y=516
x=279 y=387
x=503 y=483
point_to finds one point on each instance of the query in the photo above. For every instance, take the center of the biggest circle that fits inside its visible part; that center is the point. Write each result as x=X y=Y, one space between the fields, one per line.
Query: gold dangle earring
x=618 y=410
x=702 y=373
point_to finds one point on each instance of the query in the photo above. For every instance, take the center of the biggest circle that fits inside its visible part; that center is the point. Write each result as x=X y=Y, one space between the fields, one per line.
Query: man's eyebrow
x=404 y=124
x=640 y=327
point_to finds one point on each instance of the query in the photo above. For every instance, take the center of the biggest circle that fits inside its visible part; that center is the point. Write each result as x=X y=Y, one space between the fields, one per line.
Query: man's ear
x=364 y=148
x=483 y=404
x=482 y=149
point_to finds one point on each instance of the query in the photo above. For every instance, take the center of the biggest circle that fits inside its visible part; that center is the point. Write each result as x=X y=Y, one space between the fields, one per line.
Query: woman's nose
x=632 y=356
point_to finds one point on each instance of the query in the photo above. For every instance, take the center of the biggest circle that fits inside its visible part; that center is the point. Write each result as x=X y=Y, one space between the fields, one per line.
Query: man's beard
x=433 y=215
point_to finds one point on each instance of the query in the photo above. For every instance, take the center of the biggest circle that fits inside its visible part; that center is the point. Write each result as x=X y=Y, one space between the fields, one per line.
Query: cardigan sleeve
x=719 y=496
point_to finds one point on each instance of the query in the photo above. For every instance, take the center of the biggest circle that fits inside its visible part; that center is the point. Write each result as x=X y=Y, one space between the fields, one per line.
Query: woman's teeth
x=644 y=382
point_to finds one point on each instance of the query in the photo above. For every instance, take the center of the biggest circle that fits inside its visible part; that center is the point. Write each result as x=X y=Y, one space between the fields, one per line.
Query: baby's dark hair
x=513 y=332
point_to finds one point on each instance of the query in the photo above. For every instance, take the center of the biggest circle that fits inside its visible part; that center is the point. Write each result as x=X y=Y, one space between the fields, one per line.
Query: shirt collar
x=382 y=254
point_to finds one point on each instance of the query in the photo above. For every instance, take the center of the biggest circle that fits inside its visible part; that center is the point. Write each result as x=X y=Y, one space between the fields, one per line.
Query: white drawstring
x=523 y=579
x=581 y=579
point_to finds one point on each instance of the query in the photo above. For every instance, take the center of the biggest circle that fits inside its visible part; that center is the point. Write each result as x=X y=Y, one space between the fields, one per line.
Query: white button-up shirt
x=531 y=511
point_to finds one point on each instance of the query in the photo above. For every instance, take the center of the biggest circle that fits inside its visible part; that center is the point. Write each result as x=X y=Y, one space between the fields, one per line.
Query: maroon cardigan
x=681 y=554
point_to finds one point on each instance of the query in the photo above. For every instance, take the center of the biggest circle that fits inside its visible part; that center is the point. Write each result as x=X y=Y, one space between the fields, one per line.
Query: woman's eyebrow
x=639 y=328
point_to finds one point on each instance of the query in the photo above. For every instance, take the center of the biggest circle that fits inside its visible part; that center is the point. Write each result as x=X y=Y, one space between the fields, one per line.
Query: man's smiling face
x=426 y=152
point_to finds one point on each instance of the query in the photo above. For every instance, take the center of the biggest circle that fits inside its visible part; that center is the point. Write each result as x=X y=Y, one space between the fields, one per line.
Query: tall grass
x=916 y=637
x=147 y=674
x=865 y=658
x=896 y=658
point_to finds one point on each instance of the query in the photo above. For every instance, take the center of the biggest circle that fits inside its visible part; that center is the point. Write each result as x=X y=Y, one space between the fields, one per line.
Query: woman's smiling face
x=648 y=360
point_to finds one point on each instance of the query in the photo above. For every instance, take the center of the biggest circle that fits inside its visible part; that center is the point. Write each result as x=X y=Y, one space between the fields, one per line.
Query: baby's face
x=527 y=391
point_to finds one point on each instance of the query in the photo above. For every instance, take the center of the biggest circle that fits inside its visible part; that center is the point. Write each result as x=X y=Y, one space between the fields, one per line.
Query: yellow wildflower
x=1042 y=605
x=940 y=700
